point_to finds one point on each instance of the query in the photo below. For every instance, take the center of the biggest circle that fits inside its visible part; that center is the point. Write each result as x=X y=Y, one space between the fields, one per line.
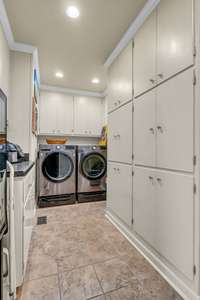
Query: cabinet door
x=175 y=37
x=175 y=220
x=144 y=204
x=175 y=119
x=64 y=114
x=88 y=115
x=48 y=119
x=120 y=79
x=145 y=129
x=120 y=134
x=119 y=191
x=144 y=65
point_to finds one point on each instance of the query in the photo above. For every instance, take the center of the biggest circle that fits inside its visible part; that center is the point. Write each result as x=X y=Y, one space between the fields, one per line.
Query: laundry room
x=100 y=150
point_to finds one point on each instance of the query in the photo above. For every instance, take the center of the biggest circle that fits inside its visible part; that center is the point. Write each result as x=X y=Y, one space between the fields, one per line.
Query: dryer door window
x=93 y=166
x=57 y=167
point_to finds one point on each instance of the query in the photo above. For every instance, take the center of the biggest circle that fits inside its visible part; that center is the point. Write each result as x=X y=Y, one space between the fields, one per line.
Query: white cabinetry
x=120 y=79
x=120 y=134
x=163 y=212
x=145 y=56
x=24 y=211
x=56 y=113
x=119 y=192
x=61 y=114
x=89 y=115
x=163 y=46
x=175 y=37
x=163 y=125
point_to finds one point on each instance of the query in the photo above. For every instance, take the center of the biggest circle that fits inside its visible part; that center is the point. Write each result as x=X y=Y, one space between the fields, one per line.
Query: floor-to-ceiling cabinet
x=164 y=141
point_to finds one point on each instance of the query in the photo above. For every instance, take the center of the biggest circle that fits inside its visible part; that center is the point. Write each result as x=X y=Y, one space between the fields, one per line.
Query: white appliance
x=8 y=244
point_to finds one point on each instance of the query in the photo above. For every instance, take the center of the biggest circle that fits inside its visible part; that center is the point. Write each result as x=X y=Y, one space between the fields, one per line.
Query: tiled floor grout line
x=98 y=280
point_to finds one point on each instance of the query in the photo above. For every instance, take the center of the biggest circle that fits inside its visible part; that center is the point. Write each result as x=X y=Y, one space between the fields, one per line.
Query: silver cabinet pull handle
x=159 y=180
x=152 y=80
x=160 y=75
x=160 y=128
x=151 y=130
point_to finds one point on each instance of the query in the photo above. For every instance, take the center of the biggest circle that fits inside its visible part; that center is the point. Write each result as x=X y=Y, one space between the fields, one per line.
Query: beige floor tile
x=40 y=265
x=41 y=289
x=80 y=284
x=113 y=274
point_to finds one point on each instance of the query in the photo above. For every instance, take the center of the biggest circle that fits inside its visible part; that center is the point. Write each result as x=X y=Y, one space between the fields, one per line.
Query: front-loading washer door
x=57 y=167
x=93 y=166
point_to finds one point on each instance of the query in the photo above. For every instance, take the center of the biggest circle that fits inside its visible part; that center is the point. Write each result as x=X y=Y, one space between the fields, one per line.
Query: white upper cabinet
x=144 y=129
x=89 y=114
x=56 y=113
x=144 y=53
x=175 y=37
x=164 y=45
x=120 y=134
x=175 y=122
x=120 y=79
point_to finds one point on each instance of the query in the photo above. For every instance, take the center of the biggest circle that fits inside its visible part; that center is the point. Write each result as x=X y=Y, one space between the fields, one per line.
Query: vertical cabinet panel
x=120 y=79
x=119 y=191
x=144 y=65
x=144 y=129
x=163 y=211
x=175 y=109
x=175 y=37
x=120 y=134
x=47 y=113
x=144 y=204
x=88 y=115
x=64 y=114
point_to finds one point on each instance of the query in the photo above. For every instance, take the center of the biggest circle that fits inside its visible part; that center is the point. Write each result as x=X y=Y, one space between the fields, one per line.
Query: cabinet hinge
x=132 y=156
x=195 y=79
x=132 y=221
x=194 y=160
x=133 y=44
x=194 y=270
x=133 y=173
x=195 y=188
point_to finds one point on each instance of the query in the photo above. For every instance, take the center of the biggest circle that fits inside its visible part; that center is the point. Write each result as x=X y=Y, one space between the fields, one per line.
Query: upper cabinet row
x=164 y=45
x=120 y=79
x=62 y=114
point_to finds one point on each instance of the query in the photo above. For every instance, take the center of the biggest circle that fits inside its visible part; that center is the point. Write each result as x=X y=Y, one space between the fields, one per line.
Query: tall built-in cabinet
x=120 y=123
x=164 y=193
x=62 y=114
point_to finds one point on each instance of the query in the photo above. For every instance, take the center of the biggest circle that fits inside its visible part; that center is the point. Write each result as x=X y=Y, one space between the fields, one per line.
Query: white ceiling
x=77 y=47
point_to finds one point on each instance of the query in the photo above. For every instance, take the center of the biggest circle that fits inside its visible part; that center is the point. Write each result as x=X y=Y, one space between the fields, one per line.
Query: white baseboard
x=177 y=283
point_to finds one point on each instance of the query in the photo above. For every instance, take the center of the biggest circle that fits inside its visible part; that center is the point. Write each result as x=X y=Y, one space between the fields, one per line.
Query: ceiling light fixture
x=95 y=80
x=59 y=75
x=73 y=12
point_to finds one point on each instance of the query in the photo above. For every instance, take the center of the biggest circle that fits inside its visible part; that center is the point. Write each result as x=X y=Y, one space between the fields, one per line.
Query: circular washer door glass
x=93 y=166
x=57 y=167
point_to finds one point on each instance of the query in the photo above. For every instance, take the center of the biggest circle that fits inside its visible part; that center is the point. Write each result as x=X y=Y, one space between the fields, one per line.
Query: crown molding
x=130 y=33
x=74 y=92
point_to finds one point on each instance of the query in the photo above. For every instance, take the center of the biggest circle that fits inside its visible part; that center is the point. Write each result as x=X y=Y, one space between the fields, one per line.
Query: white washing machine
x=92 y=171
x=56 y=175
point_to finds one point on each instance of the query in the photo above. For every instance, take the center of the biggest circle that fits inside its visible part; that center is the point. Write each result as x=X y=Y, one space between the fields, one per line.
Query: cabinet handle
x=160 y=75
x=159 y=180
x=151 y=130
x=151 y=179
x=160 y=128
x=119 y=101
x=152 y=80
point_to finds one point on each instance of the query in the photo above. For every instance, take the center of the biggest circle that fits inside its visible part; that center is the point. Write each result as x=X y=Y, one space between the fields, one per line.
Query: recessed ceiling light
x=95 y=80
x=73 y=12
x=59 y=75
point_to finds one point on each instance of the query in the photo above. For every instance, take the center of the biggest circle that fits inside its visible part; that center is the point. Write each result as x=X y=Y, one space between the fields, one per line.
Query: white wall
x=4 y=63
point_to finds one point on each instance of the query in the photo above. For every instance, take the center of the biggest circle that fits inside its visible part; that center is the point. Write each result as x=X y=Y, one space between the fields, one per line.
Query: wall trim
x=74 y=92
x=173 y=279
x=130 y=33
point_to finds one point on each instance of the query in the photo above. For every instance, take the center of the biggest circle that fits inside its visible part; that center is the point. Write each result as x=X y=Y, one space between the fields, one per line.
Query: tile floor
x=80 y=255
